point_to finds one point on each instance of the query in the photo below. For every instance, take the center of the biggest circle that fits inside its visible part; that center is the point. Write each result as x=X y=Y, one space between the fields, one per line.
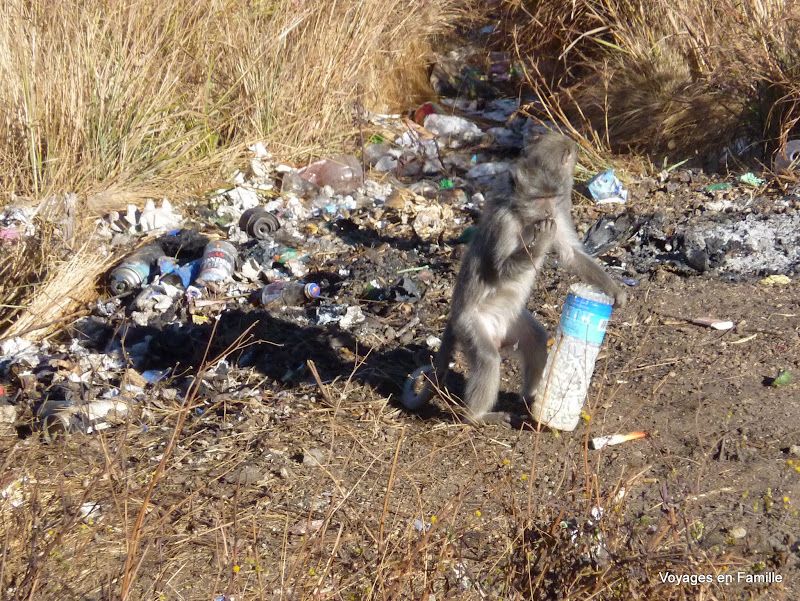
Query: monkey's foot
x=493 y=418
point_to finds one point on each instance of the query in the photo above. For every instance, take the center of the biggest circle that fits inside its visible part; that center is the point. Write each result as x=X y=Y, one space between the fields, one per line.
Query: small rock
x=794 y=450
x=314 y=457
x=738 y=532
x=249 y=474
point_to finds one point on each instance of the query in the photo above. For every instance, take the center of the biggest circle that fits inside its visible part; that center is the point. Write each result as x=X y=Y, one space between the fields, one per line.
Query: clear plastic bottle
x=342 y=172
x=562 y=391
x=291 y=294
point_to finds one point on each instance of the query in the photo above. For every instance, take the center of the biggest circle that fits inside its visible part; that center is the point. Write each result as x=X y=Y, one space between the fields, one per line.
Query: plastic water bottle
x=558 y=402
x=342 y=172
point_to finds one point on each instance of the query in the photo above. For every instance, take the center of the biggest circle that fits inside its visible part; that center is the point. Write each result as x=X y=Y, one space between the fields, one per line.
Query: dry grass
x=116 y=101
x=101 y=92
x=193 y=509
x=679 y=78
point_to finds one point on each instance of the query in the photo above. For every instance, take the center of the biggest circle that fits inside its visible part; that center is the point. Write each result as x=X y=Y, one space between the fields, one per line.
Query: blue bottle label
x=585 y=319
x=141 y=269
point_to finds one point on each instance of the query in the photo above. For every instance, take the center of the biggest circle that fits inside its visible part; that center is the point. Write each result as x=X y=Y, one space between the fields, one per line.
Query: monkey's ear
x=565 y=157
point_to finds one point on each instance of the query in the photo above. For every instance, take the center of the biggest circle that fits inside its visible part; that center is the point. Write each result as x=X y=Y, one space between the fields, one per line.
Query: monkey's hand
x=541 y=236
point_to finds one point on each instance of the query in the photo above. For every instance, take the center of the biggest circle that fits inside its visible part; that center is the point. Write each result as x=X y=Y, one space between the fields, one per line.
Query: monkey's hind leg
x=531 y=339
x=483 y=382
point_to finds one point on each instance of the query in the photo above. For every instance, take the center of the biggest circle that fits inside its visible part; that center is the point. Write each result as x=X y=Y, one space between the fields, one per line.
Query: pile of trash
x=311 y=260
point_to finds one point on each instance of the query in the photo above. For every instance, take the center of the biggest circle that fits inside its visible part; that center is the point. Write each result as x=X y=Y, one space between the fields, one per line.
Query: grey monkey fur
x=497 y=276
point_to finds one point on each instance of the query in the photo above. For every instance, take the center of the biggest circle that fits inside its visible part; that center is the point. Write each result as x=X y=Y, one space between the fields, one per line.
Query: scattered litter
x=719 y=187
x=343 y=173
x=453 y=131
x=421 y=526
x=149 y=219
x=559 y=400
x=789 y=159
x=219 y=259
x=135 y=270
x=13 y=489
x=606 y=188
x=16 y=223
x=775 y=280
x=352 y=317
x=488 y=169
x=784 y=378
x=710 y=322
x=259 y=223
x=609 y=441
x=431 y=221
x=290 y=294
x=172 y=272
x=751 y=179
x=58 y=417
x=433 y=342
x=467 y=235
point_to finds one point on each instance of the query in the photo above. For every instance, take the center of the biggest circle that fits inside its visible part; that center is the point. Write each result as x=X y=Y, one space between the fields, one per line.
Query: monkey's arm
x=591 y=272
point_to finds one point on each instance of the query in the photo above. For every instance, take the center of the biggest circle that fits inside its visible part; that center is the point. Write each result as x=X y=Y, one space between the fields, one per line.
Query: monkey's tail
x=412 y=401
x=433 y=375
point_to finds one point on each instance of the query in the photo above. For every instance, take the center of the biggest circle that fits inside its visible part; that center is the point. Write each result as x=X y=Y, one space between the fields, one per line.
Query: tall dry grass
x=103 y=92
x=117 y=99
x=680 y=77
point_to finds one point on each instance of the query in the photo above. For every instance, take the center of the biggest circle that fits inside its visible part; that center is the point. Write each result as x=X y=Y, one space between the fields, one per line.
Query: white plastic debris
x=16 y=222
x=245 y=198
x=149 y=219
x=14 y=346
x=433 y=342
x=605 y=188
x=454 y=131
x=488 y=169
x=352 y=317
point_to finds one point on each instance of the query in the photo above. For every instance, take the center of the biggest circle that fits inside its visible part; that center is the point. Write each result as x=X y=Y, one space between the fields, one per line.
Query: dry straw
x=682 y=78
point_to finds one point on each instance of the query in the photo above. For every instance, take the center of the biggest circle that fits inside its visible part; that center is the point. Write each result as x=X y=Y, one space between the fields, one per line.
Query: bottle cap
x=312 y=290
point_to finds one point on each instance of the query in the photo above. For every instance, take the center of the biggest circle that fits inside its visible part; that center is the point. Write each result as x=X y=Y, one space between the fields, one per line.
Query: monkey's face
x=546 y=168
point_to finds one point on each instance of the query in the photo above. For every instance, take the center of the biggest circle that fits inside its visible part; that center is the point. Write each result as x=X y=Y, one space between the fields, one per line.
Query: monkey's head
x=545 y=169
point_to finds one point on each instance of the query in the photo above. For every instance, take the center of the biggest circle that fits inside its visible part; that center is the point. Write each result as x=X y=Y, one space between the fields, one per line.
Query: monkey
x=497 y=274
